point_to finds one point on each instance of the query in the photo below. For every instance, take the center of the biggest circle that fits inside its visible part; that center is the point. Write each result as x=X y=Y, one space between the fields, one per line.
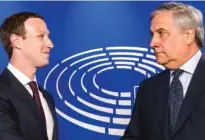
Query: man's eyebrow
x=160 y=29
x=45 y=32
x=157 y=30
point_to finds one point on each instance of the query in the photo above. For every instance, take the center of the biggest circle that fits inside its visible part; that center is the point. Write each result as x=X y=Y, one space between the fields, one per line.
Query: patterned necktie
x=175 y=99
x=36 y=98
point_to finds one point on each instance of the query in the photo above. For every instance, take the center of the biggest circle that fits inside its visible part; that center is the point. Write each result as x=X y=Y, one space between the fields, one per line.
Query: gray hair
x=185 y=17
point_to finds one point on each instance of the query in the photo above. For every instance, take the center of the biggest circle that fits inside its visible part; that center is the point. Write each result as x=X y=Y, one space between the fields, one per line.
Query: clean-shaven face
x=168 y=41
x=37 y=44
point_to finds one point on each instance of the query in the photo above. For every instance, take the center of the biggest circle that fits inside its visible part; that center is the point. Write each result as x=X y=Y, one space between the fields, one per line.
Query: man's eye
x=162 y=34
x=41 y=36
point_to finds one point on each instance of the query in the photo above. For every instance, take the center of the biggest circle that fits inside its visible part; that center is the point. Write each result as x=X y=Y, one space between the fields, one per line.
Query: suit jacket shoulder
x=19 y=115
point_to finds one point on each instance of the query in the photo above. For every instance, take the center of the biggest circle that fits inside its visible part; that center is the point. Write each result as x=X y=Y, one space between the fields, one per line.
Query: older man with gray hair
x=171 y=104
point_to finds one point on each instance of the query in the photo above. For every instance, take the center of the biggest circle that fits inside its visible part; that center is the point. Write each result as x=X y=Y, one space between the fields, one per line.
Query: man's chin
x=43 y=64
x=160 y=61
x=167 y=64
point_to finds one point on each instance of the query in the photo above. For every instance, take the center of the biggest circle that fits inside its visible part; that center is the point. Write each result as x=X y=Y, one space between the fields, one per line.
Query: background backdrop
x=101 y=53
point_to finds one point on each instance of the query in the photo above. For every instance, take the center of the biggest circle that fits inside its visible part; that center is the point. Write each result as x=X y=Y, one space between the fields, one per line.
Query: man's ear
x=15 y=41
x=190 y=35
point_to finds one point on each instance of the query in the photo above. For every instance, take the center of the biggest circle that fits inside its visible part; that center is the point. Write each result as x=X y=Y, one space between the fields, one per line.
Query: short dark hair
x=14 y=24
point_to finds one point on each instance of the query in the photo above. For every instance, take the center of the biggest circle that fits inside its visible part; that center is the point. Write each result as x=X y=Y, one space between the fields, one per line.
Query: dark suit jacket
x=19 y=115
x=149 y=120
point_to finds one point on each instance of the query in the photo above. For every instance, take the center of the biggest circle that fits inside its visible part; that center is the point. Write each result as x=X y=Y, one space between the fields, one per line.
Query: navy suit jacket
x=19 y=115
x=149 y=120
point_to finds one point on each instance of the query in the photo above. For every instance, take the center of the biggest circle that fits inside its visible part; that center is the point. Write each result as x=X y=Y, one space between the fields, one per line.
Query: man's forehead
x=36 y=24
x=161 y=20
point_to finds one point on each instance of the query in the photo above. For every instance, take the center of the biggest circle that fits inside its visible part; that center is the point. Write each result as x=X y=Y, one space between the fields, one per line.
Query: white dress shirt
x=24 y=80
x=189 y=68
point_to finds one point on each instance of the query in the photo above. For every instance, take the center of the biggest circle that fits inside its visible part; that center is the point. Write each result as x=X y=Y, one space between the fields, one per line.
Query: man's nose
x=153 y=42
x=49 y=43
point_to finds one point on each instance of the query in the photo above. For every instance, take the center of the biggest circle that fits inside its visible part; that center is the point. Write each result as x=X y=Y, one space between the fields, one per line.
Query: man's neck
x=24 y=68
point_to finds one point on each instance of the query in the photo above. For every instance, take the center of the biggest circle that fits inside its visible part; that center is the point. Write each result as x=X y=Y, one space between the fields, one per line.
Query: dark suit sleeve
x=133 y=131
x=9 y=129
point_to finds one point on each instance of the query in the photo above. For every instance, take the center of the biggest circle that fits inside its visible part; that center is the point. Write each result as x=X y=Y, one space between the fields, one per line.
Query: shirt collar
x=24 y=79
x=191 y=64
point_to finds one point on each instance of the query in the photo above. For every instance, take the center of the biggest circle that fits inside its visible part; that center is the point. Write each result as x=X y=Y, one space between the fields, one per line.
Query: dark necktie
x=36 y=98
x=175 y=99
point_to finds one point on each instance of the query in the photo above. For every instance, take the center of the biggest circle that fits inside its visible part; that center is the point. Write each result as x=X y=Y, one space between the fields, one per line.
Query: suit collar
x=191 y=64
x=193 y=94
x=24 y=80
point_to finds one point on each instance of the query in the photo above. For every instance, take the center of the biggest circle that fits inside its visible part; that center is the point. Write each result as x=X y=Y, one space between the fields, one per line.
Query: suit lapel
x=160 y=89
x=195 y=90
x=50 y=103
x=23 y=95
x=163 y=103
